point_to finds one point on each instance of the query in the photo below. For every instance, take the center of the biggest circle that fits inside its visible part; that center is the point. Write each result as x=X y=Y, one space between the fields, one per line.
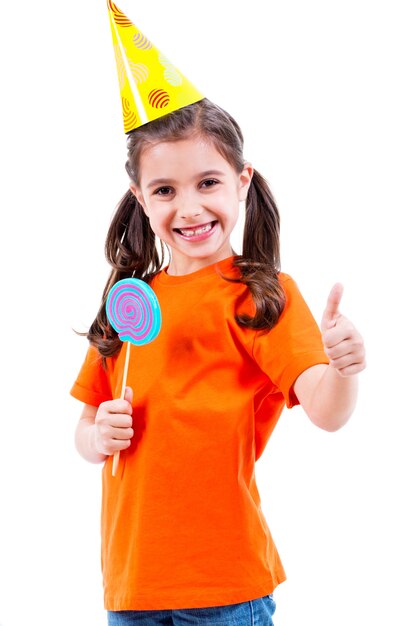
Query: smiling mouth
x=195 y=231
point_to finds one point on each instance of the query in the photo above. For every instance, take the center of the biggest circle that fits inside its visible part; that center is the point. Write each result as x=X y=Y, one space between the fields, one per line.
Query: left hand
x=343 y=343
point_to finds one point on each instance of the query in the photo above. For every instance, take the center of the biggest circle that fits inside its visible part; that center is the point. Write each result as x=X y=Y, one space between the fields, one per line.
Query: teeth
x=192 y=232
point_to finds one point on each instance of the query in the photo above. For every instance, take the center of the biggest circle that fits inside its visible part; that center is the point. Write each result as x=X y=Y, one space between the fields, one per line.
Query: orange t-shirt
x=182 y=525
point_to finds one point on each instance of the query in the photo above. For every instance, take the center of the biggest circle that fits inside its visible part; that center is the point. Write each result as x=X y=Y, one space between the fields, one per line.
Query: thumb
x=129 y=394
x=332 y=307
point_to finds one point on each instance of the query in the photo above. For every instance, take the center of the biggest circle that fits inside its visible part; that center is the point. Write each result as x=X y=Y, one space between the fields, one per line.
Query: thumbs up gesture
x=343 y=343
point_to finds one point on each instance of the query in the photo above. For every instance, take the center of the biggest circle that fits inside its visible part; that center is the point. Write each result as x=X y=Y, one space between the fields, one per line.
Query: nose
x=189 y=206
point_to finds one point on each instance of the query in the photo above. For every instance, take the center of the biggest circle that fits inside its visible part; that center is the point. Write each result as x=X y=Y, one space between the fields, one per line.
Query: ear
x=245 y=180
x=138 y=195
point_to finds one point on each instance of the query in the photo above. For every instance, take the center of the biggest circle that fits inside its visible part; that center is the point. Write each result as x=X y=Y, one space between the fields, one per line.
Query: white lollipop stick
x=122 y=395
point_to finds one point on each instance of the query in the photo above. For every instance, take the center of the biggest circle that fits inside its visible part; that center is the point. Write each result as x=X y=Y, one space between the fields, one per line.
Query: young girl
x=184 y=539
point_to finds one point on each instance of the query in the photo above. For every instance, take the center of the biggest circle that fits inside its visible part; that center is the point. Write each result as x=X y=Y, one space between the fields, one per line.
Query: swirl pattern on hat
x=120 y=66
x=141 y=42
x=119 y=17
x=158 y=98
x=139 y=71
x=130 y=120
x=171 y=75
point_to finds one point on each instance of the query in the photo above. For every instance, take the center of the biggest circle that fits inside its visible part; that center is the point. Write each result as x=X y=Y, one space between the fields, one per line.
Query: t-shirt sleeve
x=92 y=383
x=292 y=346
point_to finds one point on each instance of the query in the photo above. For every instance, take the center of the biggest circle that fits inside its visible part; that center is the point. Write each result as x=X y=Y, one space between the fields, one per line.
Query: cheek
x=233 y=208
x=159 y=221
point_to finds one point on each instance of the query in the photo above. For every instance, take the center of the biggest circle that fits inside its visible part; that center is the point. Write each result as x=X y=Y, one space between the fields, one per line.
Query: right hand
x=113 y=424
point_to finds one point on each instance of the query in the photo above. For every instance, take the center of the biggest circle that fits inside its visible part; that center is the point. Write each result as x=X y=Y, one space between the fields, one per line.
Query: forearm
x=333 y=400
x=85 y=442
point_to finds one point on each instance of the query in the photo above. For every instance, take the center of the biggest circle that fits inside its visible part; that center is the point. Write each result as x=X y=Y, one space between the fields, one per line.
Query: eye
x=163 y=191
x=210 y=182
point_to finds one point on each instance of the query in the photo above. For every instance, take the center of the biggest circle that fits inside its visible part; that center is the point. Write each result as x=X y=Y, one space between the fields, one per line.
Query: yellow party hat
x=150 y=86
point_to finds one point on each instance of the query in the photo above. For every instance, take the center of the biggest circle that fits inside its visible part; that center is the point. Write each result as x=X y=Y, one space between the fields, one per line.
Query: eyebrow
x=166 y=181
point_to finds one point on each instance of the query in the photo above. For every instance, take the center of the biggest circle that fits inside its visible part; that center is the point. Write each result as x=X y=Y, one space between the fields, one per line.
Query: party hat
x=150 y=86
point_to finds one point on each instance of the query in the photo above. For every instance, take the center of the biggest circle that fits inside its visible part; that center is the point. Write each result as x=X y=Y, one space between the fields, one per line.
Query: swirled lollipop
x=133 y=311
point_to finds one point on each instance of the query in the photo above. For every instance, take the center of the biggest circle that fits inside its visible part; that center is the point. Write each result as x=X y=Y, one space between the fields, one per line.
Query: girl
x=184 y=539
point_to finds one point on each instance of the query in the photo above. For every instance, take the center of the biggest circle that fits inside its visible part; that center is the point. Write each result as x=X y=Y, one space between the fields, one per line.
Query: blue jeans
x=253 y=613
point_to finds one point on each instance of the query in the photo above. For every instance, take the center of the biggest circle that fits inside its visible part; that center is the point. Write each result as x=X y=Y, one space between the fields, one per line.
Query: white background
x=326 y=94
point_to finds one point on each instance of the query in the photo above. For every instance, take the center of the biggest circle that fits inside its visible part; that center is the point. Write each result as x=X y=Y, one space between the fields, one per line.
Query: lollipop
x=133 y=311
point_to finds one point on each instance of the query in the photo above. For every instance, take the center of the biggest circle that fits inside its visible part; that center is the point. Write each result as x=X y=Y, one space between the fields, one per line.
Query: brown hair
x=131 y=244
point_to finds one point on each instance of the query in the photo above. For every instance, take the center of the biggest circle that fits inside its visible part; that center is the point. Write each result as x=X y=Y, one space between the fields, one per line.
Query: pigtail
x=261 y=240
x=260 y=261
x=130 y=242
x=130 y=249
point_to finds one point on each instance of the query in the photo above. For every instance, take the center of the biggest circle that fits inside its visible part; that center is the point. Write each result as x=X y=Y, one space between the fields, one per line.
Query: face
x=191 y=196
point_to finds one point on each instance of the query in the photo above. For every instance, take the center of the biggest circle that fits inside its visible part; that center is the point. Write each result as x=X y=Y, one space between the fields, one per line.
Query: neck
x=180 y=266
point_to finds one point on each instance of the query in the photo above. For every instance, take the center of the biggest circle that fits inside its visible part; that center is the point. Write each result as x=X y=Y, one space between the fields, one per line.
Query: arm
x=327 y=398
x=102 y=431
x=85 y=435
x=328 y=393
